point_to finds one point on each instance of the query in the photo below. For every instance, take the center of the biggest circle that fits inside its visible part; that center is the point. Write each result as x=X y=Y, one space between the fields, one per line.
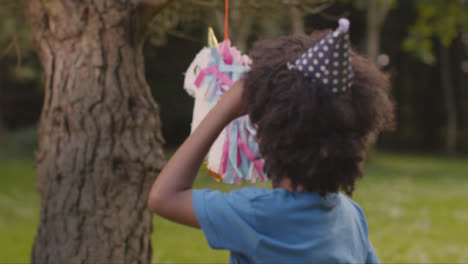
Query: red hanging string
x=226 y=15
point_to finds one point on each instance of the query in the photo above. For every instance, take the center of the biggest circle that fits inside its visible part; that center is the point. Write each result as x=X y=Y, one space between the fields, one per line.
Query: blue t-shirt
x=278 y=226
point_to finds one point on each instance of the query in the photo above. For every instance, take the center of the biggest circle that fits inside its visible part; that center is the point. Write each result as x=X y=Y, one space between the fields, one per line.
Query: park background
x=415 y=183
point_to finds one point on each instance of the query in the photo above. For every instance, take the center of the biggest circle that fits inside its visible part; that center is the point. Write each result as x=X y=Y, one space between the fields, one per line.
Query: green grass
x=19 y=211
x=416 y=207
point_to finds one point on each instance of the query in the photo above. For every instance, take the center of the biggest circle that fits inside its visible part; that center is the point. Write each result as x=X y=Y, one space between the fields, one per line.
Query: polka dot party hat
x=329 y=61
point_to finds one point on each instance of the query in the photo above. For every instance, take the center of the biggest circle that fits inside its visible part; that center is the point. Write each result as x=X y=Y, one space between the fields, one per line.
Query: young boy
x=315 y=104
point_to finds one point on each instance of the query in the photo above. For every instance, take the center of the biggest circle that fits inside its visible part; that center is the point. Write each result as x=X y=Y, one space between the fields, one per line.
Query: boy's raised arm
x=171 y=193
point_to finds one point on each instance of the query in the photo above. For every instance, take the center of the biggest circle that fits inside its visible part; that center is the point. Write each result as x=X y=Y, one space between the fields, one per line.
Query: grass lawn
x=416 y=207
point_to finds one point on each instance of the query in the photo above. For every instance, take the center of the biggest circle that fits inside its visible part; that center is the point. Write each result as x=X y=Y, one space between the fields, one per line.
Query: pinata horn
x=329 y=61
x=212 y=41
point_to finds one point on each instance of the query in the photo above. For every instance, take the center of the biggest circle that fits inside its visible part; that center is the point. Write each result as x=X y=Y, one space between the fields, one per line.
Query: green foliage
x=415 y=207
x=444 y=20
x=13 y=23
x=15 y=40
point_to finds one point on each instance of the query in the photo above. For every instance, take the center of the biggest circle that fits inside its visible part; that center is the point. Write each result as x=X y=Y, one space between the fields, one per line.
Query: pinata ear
x=329 y=61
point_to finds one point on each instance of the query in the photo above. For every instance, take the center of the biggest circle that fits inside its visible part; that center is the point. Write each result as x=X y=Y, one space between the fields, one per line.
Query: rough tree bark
x=100 y=145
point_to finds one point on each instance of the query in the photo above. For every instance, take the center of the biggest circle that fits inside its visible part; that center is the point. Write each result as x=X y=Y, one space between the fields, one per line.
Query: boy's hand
x=230 y=105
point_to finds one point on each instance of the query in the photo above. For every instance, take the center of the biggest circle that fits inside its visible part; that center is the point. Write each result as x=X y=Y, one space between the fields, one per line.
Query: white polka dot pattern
x=330 y=55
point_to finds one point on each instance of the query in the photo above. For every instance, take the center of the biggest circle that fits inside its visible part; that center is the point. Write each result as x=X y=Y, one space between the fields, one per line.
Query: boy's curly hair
x=316 y=138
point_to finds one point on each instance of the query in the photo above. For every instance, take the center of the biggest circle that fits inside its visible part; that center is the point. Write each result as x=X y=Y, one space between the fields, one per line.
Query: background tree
x=16 y=70
x=376 y=13
x=246 y=15
x=100 y=145
x=419 y=126
x=444 y=21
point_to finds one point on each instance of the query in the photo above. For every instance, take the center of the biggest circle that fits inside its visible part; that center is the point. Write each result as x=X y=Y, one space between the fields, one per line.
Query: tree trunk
x=373 y=27
x=100 y=145
x=297 y=20
x=450 y=101
x=241 y=26
x=377 y=12
x=463 y=98
x=2 y=129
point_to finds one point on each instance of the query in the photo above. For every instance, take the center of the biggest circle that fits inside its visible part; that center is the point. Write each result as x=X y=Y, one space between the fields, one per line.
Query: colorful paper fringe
x=234 y=157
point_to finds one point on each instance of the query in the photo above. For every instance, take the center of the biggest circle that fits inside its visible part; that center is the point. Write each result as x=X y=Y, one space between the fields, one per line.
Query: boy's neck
x=286 y=184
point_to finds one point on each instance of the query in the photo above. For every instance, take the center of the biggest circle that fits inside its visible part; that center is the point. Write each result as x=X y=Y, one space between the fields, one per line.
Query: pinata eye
x=196 y=70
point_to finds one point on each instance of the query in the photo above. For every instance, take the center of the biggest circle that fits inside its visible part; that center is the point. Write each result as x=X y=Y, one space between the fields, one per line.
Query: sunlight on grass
x=416 y=207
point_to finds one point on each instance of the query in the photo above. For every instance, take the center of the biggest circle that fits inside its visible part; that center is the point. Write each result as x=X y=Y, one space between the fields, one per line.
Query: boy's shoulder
x=279 y=197
x=357 y=211
x=353 y=204
x=253 y=193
